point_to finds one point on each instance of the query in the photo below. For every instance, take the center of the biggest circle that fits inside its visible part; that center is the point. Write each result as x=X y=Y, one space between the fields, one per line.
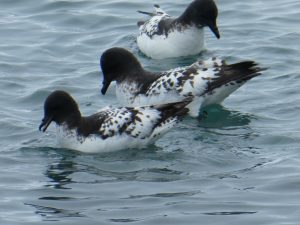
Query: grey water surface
x=240 y=165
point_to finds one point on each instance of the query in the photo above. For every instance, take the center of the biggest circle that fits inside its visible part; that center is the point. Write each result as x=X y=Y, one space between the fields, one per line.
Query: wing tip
x=175 y=109
x=238 y=72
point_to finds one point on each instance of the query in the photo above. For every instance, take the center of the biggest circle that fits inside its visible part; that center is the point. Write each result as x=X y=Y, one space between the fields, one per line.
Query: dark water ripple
x=240 y=165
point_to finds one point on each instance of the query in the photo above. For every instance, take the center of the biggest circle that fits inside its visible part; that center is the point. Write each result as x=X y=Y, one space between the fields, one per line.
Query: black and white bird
x=208 y=82
x=109 y=129
x=163 y=36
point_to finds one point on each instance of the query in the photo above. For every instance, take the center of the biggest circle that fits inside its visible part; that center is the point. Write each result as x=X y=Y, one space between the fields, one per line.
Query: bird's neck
x=73 y=120
x=88 y=125
x=137 y=81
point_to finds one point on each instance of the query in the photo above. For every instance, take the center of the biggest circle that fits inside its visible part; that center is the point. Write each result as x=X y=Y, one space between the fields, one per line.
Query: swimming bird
x=163 y=36
x=209 y=82
x=109 y=129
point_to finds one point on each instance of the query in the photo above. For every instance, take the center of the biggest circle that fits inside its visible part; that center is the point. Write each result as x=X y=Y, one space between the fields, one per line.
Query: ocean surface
x=240 y=165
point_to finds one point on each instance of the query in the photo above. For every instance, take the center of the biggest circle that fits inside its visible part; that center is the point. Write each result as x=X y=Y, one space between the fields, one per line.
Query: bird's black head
x=59 y=107
x=202 y=13
x=116 y=65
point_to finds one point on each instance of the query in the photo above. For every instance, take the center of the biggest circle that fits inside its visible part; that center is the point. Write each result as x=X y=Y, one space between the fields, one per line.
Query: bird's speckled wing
x=136 y=122
x=187 y=81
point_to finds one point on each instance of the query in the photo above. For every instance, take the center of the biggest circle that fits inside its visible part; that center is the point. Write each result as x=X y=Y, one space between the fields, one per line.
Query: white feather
x=178 y=43
x=94 y=144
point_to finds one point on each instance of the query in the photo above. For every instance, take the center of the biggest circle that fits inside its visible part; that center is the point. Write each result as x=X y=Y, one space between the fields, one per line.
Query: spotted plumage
x=111 y=128
x=163 y=36
x=209 y=82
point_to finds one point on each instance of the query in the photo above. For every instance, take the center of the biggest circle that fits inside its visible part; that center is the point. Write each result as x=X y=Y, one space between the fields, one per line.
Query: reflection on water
x=167 y=195
x=105 y=168
x=59 y=172
x=54 y=214
x=238 y=174
x=228 y=213
x=71 y=170
x=53 y=206
x=220 y=117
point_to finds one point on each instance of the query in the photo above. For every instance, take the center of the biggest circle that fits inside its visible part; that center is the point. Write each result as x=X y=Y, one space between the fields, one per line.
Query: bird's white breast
x=186 y=42
x=94 y=144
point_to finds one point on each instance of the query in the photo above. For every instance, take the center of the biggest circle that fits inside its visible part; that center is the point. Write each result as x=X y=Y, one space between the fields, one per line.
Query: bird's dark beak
x=214 y=28
x=45 y=123
x=105 y=86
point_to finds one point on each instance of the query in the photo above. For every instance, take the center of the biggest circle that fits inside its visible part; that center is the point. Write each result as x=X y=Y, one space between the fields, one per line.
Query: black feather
x=146 y=13
x=238 y=73
x=172 y=110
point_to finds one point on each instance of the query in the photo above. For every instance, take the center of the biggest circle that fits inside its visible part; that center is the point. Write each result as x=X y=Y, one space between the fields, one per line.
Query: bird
x=111 y=128
x=163 y=36
x=208 y=82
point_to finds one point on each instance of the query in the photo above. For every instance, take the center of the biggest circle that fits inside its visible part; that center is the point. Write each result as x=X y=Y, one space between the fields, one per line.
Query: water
x=238 y=166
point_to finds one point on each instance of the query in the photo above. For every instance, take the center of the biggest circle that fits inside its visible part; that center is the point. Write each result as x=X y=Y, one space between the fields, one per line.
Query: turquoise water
x=241 y=165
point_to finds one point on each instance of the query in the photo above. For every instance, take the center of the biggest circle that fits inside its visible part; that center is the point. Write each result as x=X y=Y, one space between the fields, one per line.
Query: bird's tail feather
x=175 y=109
x=146 y=13
x=157 y=11
x=237 y=73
